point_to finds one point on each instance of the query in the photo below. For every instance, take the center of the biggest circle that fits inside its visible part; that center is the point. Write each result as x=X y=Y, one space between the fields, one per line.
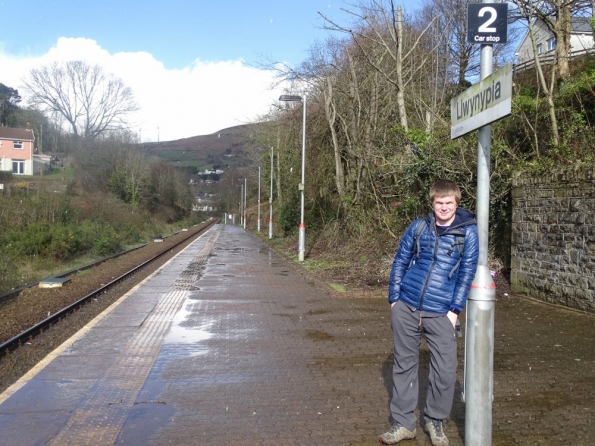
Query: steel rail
x=7 y=295
x=27 y=334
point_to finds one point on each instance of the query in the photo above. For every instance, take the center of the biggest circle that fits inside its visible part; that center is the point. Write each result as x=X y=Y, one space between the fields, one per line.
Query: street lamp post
x=478 y=384
x=271 y=200
x=302 y=231
x=241 y=203
x=245 y=189
x=258 y=223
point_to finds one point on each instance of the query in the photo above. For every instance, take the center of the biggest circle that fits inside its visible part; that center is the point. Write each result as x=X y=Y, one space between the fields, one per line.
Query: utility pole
x=271 y=200
x=245 y=189
x=241 y=204
x=487 y=23
x=258 y=223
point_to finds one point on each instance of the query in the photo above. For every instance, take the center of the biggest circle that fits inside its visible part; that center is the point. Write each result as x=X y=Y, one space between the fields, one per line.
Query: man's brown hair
x=442 y=188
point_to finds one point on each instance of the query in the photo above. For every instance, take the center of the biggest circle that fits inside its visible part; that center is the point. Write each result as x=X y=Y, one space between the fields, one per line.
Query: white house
x=210 y=172
x=581 y=41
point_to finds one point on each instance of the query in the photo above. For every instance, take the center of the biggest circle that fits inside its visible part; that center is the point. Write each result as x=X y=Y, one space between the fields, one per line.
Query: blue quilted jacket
x=434 y=282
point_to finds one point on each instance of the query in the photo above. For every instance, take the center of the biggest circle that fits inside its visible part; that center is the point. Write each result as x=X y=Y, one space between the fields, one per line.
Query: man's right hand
x=453 y=318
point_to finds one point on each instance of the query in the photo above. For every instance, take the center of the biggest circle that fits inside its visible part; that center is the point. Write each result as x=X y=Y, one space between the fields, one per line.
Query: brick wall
x=553 y=237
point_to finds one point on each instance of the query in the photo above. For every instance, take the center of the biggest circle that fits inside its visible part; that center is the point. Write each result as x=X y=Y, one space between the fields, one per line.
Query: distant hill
x=225 y=148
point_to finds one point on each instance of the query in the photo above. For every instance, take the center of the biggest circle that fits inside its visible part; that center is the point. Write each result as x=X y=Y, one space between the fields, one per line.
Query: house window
x=18 y=167
x=551 y=43
x=17 y=144
x=539 y=48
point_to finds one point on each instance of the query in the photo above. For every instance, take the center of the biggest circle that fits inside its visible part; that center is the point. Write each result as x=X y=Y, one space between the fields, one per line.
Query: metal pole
x=302 y=231
x=245 y=190
x=258 y=224
x=271 y=200
x=479 y=341
x=241 y=203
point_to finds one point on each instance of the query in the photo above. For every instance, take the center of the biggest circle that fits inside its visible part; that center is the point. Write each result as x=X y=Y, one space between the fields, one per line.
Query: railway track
x=140 y=258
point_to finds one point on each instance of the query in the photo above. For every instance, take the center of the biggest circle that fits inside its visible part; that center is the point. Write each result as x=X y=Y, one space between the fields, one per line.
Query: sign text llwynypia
x=482 y=103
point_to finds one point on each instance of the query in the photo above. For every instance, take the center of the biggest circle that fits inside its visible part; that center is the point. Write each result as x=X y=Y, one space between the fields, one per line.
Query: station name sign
x=482 y=103
x=487 y=23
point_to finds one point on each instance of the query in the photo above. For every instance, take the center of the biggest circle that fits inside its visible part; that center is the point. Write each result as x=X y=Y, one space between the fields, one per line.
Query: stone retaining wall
x=553 y=237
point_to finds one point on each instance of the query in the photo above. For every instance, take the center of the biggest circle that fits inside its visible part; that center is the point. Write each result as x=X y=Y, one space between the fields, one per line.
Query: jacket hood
x=463 y=217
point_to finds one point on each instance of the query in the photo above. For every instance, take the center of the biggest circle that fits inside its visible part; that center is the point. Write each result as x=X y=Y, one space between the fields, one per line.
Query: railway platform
x=230 y=344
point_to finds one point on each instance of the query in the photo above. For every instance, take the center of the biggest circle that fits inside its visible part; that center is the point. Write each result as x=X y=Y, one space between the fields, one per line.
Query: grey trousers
x=440 y=337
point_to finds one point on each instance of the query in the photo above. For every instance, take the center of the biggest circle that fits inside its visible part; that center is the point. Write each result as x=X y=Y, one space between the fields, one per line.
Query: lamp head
x=290 y=97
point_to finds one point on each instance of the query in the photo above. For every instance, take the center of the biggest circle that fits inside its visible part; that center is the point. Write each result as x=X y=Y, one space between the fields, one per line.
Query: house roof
x=581 y=25
x=18 y=134
x=578 y=25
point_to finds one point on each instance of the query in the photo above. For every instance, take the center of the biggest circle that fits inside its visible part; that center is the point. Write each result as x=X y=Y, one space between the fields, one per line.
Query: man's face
x=444 y=209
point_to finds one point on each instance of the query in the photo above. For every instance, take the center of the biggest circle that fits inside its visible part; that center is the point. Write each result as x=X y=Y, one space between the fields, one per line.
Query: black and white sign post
x=487 y=24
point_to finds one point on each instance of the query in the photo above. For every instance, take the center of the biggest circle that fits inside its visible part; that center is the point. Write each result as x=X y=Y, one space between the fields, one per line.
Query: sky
x=193 y=65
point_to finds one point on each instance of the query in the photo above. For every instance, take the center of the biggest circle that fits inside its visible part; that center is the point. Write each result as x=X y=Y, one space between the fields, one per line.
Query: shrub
x=8 y=271
x=107 y=243
x=42 y=239
x=63 y=243
x=5 y=177
x=289 y=215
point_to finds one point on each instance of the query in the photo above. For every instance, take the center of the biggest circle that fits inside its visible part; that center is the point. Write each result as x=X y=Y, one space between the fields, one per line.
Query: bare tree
x=557 y=16
x=382 y=25
x=560 y=27
x=325 y=64
x=330 y=109
x=135 y=168
x=548 y=90
x=450 y=22
x=91 y=101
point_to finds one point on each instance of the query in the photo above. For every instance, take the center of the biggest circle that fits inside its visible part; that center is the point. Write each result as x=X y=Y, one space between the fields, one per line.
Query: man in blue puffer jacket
x=428 y=287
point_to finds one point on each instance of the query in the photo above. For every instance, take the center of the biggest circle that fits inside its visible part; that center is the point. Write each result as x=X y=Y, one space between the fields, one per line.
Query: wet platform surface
x=227 y=344
x=230 y=344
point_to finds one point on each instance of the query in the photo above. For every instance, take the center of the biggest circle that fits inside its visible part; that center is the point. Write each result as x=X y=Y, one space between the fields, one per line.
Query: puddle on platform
x=183 y=331
x=317 y=335
x=185 y=335
x=316 y=312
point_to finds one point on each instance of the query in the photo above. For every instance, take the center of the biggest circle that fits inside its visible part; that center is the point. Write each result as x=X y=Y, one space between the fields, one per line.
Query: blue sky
x=205 y=52
x=176 y=32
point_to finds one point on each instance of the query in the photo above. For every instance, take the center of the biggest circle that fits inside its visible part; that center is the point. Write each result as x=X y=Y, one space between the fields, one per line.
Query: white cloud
x=200 y=99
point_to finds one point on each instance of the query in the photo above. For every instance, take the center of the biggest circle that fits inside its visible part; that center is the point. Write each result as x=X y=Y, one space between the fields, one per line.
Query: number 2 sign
x=487 y=23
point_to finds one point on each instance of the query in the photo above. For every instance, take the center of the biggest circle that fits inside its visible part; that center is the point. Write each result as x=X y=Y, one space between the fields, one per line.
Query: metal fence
x=548 y=58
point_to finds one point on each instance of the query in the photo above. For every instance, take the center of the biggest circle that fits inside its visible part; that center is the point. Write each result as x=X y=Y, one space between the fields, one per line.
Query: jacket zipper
x=423 y=291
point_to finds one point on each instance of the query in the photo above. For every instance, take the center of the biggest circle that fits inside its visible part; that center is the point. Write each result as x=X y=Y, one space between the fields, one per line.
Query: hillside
x=222 y=149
